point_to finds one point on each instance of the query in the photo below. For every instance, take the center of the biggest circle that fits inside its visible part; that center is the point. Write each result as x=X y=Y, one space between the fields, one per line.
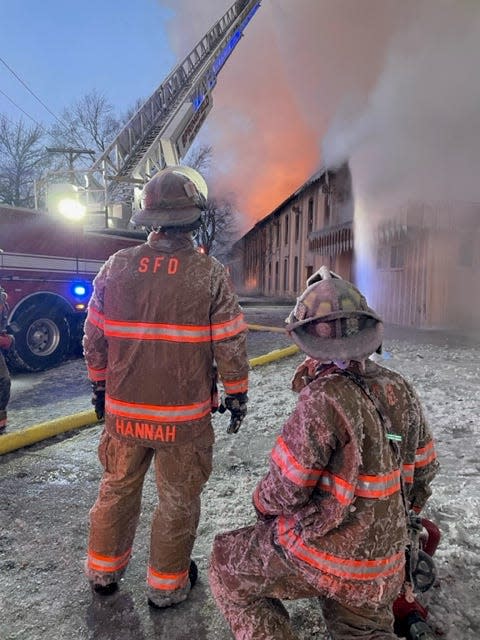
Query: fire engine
x=47 y=265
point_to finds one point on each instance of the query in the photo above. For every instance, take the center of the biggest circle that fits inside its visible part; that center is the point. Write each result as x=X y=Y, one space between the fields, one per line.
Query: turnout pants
x=181 y=473
x=249 y=575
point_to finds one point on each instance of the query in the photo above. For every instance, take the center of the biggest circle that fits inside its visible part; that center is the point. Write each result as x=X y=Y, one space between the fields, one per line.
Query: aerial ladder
x=160 y=133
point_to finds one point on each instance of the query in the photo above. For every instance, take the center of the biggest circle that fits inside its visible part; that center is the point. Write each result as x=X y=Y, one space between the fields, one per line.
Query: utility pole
x=72 y=155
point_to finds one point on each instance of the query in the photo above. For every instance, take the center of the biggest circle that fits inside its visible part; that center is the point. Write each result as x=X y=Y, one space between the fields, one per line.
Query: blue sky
x=63 y=49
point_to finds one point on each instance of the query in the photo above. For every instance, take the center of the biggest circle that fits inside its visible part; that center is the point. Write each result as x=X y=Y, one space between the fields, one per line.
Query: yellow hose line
x=261 y=327
x=18 y=439
x=274 y=355
x=30 y=435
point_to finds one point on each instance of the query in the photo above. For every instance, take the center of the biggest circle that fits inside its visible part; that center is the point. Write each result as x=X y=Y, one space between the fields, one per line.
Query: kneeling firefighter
x=162 y=321
x=352 y=460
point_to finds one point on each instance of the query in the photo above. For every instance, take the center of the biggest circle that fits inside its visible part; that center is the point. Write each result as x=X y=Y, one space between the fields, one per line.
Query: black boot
x=105 y=589
x=193 y=573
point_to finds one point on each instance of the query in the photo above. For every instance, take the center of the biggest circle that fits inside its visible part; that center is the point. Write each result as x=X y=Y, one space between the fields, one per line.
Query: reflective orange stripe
x=237 y=386
x=425 y=455
x=408 y=470
x=338 y=487
x=159 y=413
x=378 y=486
x=96 y=318
x=348 y=568
x=166 y=581
x=107 y=564
x=96 y=374
x=291 y=468
x=174 y=332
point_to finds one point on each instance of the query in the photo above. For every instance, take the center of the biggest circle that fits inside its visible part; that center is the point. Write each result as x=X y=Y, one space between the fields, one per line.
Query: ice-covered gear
x=160 y=316
x=174 y=197
x=236 y=403
x=180 y=474
x=332 y=320
x=249 y=575
x=332 y=499
x=163 y=601
x=98 y=398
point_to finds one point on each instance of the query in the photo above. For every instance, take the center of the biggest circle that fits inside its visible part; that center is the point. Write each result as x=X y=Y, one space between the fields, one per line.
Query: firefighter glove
x=6 y=341
x=98 y=398
x=236 y=403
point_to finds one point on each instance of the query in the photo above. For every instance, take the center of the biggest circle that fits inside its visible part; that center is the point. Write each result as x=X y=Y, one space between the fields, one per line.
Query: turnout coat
x=161 y=315
x=348 y=462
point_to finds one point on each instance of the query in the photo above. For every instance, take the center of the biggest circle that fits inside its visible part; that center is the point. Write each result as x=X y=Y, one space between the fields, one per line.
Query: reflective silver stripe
x=291 y=468
x=167 y=581
x=379 y=487
x=227 y=329
x=343 y=490
x=159 y=413
x=140 y=330
x=349 y=568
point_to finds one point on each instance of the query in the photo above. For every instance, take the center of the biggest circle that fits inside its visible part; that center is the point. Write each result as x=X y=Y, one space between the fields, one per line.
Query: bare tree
x=22 y=161
x=219 y=226
x=89 y=123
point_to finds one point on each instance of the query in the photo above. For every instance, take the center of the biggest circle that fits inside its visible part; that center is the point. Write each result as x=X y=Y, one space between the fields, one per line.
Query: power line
x=23 y=111
x=64 y=126
x=30 y=91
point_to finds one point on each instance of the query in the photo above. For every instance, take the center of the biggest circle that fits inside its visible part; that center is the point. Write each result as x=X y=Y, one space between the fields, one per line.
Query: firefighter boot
x=179 y=595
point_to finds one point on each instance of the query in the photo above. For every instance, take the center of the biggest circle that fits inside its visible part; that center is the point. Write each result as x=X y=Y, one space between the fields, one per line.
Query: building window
x=326 y=210
x=295 y=274
x=277 y=277
x=397 y=256
x=382 y=257
x=286 y=229
x=277 y=234
x=308 y=272
x=297 y=226
x=310 y=216
x=269 y=283
x=285 y=275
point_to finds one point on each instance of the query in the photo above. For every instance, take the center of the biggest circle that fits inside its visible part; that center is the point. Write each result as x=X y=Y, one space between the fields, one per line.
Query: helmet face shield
x=332 y=321
x=174 y=197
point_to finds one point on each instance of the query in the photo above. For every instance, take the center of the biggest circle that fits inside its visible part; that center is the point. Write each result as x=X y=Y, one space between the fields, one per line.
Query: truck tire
x=42 y=339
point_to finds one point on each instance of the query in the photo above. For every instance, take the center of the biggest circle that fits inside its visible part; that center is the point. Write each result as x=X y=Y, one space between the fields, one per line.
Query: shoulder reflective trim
x=291 y=468
x=159 y=413
x=96 y=318
x=342 y=490
x=166 y=581
x=238 y=386
x=408 y=471
x=107 y=564
x=223 y=330
x=348 y=568
x=96 y=374
x=378 y=486
x=425 y=455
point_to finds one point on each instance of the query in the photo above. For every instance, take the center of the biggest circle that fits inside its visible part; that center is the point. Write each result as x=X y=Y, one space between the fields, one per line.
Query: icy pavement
x=48 y=488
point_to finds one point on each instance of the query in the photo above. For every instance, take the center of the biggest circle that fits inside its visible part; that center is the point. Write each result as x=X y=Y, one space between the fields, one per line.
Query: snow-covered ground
x=48 y=489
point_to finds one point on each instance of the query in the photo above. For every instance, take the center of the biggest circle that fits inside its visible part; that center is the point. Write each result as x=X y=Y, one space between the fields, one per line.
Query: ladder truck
x=47 y=265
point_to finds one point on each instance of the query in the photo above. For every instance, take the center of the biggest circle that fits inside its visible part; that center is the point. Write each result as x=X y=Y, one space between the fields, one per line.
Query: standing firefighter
x=6 y=342
x=352 y=459
x=161 y=320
